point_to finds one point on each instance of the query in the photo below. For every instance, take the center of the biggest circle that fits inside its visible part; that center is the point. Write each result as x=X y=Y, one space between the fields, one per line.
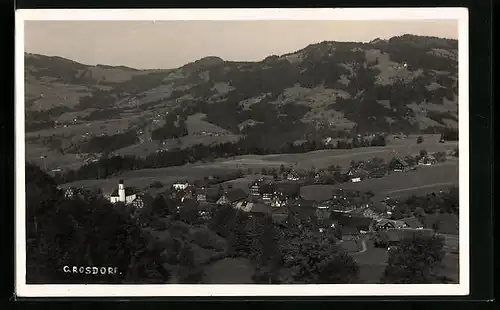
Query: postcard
x=231 y=152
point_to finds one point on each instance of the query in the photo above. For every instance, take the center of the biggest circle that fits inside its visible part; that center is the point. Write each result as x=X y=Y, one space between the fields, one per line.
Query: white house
x=122 y=194
x=180 y=186
x=292 y=176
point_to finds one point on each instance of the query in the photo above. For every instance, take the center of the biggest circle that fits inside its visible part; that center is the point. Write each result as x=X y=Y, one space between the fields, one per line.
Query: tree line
x=110 y=165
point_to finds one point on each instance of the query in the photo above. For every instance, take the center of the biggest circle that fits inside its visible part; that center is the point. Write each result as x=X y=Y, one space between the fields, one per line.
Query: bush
x=156 y=184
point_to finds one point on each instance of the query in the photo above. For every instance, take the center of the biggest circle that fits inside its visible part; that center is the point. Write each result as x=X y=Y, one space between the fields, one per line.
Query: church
x=123 y=194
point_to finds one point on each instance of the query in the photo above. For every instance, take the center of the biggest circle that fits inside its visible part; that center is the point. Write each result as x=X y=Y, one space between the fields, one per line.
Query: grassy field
x=448 y=224
x=229 y=271
x=450 y=267
x=398 y=184
x=325 y=158
x=423 y=180
x=317 y=192
x=420 y=181
x=371 y=263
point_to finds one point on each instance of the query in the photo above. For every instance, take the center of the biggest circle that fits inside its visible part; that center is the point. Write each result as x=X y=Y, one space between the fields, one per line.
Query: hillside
x=404 y=84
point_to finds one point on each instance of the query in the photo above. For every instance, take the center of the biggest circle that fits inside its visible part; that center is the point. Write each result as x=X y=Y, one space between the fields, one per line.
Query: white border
x=460 y=14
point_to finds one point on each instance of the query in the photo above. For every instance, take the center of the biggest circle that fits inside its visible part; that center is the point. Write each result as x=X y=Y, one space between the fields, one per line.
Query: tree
x=393 y=164
x=84 y=231
x=415 y=260
x=313 y=257
x=420 y=139
x=156 y=184
x=188 y=272
x=379 y=140
x=223 y=220
x=188 y=212
x=159 y=207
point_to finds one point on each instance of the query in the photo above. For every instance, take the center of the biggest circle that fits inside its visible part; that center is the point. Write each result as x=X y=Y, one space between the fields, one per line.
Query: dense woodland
x=88 y=230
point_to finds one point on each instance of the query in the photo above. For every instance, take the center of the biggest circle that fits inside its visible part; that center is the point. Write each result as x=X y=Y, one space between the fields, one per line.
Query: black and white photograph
x=239 y=152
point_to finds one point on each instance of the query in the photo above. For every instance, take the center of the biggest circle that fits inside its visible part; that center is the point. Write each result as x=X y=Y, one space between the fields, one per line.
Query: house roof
x=236 y=194
x=349 y=230
x=303 y=203
x=280 y=211
x=383 y=222
x=260 y=208
x=402 y=161
x=253 y=207
x=413 y=222
x=399 y=223
x=180 y=182
x=279 y=218
x=266 y=189
x=286 y=188
x=398 y=234
x=128 y=191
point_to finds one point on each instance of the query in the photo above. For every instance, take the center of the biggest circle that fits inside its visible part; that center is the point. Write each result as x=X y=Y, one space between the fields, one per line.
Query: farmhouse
x=180 y=185
x=123 y=194
x=384 y=224
x=140 y=201
x=187 y=195
x=232 y=196
x=201 y=194
x=278 y=200
x=266 y=190
x=355 y=175
x=253 y=208
x=292 y=176
x=413 y=222
x=204 y=211
x=427 y=160
x=255 y=188
x=400 y=164
x=370 y=213
x=70 y=192
x=389 y=203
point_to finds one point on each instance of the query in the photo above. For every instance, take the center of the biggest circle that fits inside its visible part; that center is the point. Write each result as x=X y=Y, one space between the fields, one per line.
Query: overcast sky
x=170 y=44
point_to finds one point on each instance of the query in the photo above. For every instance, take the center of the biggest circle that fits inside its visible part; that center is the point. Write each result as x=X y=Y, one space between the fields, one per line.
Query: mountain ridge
x=327 y=89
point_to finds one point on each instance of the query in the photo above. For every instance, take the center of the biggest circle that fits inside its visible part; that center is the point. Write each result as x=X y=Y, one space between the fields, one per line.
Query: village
x=355 y=215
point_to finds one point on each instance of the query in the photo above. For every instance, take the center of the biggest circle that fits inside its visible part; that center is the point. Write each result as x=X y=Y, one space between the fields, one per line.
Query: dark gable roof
x=286 y=188
x=396 y=235
x=236 y=195
x=402 y=161
x=349 y=230
x=266 y=188
x=281 y=210
x=260 y=208
x=413 y=222
x=279 y=218
x=128 y=191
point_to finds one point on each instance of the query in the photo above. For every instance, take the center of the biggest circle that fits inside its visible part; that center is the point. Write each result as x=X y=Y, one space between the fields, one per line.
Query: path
x=363 y=246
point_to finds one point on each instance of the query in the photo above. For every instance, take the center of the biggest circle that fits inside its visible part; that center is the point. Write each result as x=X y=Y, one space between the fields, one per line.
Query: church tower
x=121 y=191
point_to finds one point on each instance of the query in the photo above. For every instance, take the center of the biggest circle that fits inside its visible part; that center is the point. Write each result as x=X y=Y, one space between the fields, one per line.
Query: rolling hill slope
x=404 y=84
